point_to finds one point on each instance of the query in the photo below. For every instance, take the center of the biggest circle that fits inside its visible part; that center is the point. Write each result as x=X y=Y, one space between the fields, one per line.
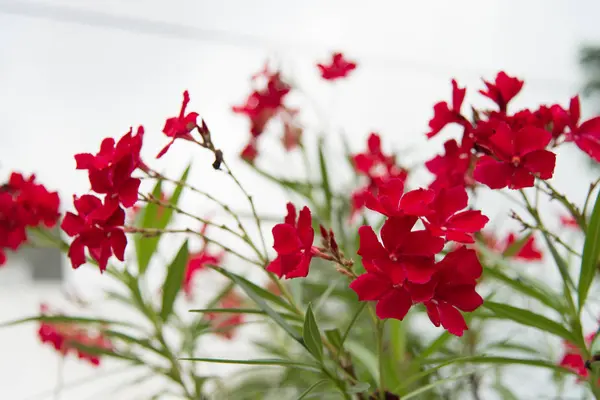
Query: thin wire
x=80 y=16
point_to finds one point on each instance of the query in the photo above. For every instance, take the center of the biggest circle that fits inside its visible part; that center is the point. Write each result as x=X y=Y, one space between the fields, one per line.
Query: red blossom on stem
x=250 y=152
x=444 y=115
x=293 y=244
x=339 y=67
x=519 y=156
x=586 y=135
x=110 y=170
x=197 y=262
x=97 y=226
x=180 y=127
x=453 y=168
x=573 y=360
x=528 y=251
x=503 y=90
x=225 y=324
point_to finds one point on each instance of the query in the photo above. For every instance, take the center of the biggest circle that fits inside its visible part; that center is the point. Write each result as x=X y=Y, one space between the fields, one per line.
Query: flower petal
x=451 y=319
x=370 y=286
x=286 y=239
x=463 y=297
x=395 y=304
x=494 y=174
x=531 y=139
x=370 y=248
x=395 y=230
x=540 y=162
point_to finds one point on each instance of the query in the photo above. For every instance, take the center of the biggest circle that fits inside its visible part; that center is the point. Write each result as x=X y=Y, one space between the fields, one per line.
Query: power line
x=66 y=14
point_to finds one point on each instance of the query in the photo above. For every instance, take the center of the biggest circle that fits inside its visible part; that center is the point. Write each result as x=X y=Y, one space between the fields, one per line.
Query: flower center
x=516 y=160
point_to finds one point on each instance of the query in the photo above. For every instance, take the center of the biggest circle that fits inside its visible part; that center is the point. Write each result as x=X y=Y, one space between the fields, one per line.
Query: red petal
x=463 y=297
x=494 y=174
x=374 y=143
x=395 y=304
x=521 y=178
x=451 y=319
x=503 y=142
x=458 y=96
x=393 y=270
x=419 y=270
x=416 y=202
x=590 y=145
x=395 y=230
x=433 y=313
x=467 y=221
x=540 y=162
x=290 y=218
x=370 y=248
x=370 y=286
x=305 y=230
x=85 y=161
x=77 y=253
x=72 y=224
x=286 y=239
x=421 y=292
x=275 y=267
x=421 y=243
x=128 y=195
x=461 y=265
x=301 y=269
x=118 y=242
x=531 y=139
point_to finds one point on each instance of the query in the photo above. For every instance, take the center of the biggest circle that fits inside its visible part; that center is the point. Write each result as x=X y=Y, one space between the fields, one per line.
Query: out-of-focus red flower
x=67 y=337
x=98 y=227
x=444 y=115
x=503 y=90
x=293 y=244
x=569 y=222
x=110 y=169
x=338 y=68
x=24 y=204
x=250 y=152
x=446 y=218
x=263 y=104
x=528 y=252
x=180 y=127
x=586 y=135
x=225 y=324
x=292 y=135
x=198 y=261
x=453 y=168
x=392 y=201
x=573 y=360
x=358 y=200
x=455 y=281
x=519 y=156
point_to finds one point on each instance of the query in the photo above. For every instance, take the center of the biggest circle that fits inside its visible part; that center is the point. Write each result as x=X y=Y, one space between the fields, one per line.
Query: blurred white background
x=74 y=72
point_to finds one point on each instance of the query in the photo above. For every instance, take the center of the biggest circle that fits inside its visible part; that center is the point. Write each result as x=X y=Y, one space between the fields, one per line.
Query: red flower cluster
x=66 y=338
x=528 y=252
x=263 y=105
x=378 y=167
x=180 y=127
x=225 y=324
x=402 y=270
x=98 y=225
x=573 y=360
x=24 y=204
x=197 y=262
x=293 y=244
x=338 y=68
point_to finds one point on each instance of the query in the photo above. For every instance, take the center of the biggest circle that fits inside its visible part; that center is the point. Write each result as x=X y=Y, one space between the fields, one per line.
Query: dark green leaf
x=334 y=337
x=243 y=311
x=311 y=335
x=526 y=317
x=173 y=281
x=506 y=361
x=61 y=319
x=145 y=343
x=591 y=254
x=325 y=180
x=265 y=361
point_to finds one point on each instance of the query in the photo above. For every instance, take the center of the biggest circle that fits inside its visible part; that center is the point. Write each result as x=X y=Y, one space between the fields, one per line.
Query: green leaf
x=62 y=319
x=360 y=387
x=365 y=356
x=437 y=344
x=516 y=246
x=173 y=281
x=416 y=377
x=144 y=343
x=334 y=337
x=264 y=361
x=154 y=216
x=242 y=311
x=361 y=307
x=504 y=392
x=325 y=180
x=311 y=335
x=258 y=297
x=506 y=361
x=563 y=268
x=101 y=351
x=529 y=288
x=398 y=336
x=302 y=188
x=591 y=254
x=310 y=389
x=526 y=317
x=434 y=384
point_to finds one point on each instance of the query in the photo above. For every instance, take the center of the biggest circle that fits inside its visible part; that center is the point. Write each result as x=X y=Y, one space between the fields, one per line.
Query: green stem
x=380 y=356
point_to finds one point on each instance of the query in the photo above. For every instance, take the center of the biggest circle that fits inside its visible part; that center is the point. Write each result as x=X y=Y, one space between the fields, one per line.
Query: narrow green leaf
x=310 y=389
x=264 y=361
x=437 y=344
x=516 y=246
x=145 y=343
x=334 y=337
x=529 y=288
x=258 y=297
x=526 y=317
x=361 y=307
x=504 y=392
x=173 y=281
x=101 y=351
x=302 y=188
x=563 y=268
x=242 y=311
x=154 y=216
x=506 y=361
x=311 y=335
x=398 y=336
x=62 y=319
x=416 y=377
x=434 y=384
x=360 y=387
x=365 y=356
x=325 y=180
x=591 y=254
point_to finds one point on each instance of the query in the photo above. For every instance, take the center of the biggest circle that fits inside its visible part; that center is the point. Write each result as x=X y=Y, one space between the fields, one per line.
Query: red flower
x=250 y=152
x=521 y=156
x=23 y=204
x=225 y=324
x=180 y=127
x=455 y=278
x=110 y=169
x=443 y=115
x=293 y=244
x=358 y=200
x=503 y=90
x=451 y=169
x=573 y=360
x=263 y=104
x=67 y=337
x=528 y=252
x=568 y=221
x=405 y=253
x=97 y=226
x=585 y=135
x=392 y=201
x=339 y=67
x=447 y=220
x=292 y=135
x=197 y=262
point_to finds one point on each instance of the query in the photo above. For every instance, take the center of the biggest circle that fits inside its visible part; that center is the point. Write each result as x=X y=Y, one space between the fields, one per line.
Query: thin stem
x=547 y=232
x=570 y=206
x=589 y=196
x=380 y=356
x=252 y=206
